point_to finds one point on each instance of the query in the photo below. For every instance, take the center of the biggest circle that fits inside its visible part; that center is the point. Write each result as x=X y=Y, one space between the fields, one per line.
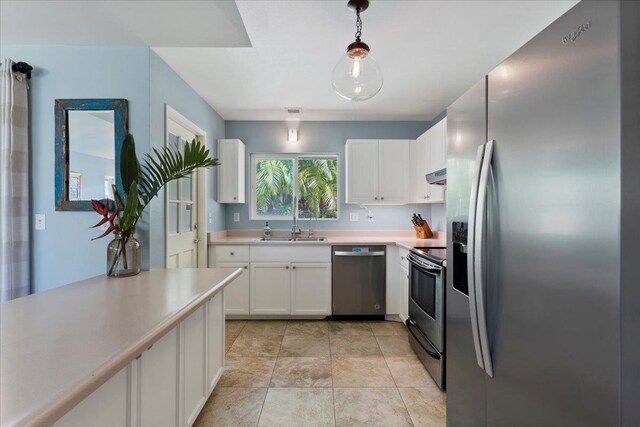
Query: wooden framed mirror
x=89 y=135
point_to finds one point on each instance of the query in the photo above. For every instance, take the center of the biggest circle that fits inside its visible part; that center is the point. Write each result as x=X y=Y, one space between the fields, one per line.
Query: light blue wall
x=93 y=170
x=64 y=252
x=167 y=88
x=324 y=137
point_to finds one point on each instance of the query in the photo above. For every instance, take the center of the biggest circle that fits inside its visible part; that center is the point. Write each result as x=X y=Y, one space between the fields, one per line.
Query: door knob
x=195 y=240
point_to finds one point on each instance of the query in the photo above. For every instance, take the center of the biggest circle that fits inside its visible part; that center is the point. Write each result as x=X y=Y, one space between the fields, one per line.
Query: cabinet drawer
x=232 y=253
x=404 y=262
x=291 y=253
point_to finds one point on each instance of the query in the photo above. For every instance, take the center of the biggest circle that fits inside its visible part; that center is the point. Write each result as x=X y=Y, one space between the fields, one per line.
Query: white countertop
x=58 y=346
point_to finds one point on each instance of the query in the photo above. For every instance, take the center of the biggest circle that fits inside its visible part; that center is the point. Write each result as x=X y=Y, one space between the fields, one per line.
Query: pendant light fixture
x=357 y=76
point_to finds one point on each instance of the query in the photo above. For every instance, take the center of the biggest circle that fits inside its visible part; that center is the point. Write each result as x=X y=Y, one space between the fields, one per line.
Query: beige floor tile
x=264 y=327
x=370 y=407
x=354 y=345
x=298 y=407
x=255 y=346
x=299 y=346
x=395 y=345
x=408 y=371
x=302 y=372
x=388 y=328
x=307 y=327
x=227 y=345
x=232 y=407
x=247 y=371
x=370 y=371
x=349 y=328
x=233 y=327
x=427 y=406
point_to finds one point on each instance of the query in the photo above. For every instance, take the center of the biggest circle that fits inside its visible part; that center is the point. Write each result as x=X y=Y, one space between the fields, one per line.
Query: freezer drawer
x=359 y=280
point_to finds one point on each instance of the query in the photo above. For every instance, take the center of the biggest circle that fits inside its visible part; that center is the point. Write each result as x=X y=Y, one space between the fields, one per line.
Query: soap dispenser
x=266 y=232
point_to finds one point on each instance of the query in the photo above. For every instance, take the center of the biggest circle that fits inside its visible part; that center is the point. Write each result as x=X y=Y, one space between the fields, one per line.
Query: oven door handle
x=412 y=324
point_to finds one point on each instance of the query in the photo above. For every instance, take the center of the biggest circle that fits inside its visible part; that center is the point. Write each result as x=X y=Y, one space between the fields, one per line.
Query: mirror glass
x=92 y=167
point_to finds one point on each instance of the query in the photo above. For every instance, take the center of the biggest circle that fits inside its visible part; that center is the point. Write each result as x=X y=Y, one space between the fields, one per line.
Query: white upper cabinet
x=429 y=154
x=362 y=171
x=231 y=176
x=377 y=171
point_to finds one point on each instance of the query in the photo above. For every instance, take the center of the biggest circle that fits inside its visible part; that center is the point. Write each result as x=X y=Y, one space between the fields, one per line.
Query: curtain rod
x=22 y=67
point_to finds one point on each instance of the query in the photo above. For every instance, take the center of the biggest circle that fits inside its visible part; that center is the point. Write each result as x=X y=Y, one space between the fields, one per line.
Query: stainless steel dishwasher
x=359 y=281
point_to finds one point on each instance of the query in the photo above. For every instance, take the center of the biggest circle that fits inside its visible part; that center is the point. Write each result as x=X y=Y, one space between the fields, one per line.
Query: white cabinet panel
x=361 y=171
x=270 y=288
x=311 y=288
x=215 y=338
x=193 y=328
x=393 y=281
x=394 y=170
x=232 y=253
x=288 y=253
x=404 y=301
x=236 y=294
x=429 y=154
x=231 y=172
x=419 y=168
x=105 y=407
x=159 y=383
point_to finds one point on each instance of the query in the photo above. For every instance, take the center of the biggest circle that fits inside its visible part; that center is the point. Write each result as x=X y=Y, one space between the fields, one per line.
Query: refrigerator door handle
x=473 y=204
x=478 y=259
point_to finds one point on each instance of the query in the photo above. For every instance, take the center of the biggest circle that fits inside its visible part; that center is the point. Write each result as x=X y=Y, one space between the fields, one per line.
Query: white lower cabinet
x=236 y=294
x=311 y=288
x=105 y=407
x=170 y=381
x=215 y=339
x=404 y=299
x=193 y=369
x=270 y=288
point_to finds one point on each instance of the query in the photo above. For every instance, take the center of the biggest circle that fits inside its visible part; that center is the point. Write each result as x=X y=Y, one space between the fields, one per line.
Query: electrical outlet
x=236 y=217
x=40 y=222
x=354 y=216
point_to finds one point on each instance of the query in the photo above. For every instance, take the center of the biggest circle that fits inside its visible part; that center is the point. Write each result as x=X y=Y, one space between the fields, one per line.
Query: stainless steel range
x=427 y=267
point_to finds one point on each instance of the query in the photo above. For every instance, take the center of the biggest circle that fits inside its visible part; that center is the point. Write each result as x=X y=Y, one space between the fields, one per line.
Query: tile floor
x=322 y=373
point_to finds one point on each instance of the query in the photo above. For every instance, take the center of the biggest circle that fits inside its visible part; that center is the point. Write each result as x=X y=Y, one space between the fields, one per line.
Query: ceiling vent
x=294 y=110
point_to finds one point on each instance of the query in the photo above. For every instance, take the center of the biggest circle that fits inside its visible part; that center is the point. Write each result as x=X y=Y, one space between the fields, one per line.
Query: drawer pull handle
x=231 y=253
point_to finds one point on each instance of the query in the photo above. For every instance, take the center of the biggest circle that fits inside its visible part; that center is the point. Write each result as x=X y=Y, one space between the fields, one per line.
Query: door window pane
x=173 y=218
x=274 y=187
x=186 y=217
x=186 y=186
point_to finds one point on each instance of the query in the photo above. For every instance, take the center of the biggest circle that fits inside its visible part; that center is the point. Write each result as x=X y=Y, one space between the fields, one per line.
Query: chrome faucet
x=295 y=229
x=315 y=217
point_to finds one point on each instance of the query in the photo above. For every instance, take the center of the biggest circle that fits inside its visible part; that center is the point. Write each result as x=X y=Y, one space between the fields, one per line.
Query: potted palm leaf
x=141 y=183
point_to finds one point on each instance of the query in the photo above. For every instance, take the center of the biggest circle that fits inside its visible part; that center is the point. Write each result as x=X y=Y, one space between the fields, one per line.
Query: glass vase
x=123 y=255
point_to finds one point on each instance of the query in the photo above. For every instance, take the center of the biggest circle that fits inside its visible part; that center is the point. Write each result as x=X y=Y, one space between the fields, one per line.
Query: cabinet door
x=105 y=407
x=420 y=166
x=236 y=294
x=193 y=328
x=404 y=292
x=270 y=288
x=437 y=140
x=311 y=288
x=394 y=161
x=215 y=338
x=231 y=171
x=159 y=383
x=361 y=171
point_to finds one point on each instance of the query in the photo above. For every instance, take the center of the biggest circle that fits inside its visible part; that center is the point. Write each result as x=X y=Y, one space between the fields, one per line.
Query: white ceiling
x=430 y=51
x=132 y=22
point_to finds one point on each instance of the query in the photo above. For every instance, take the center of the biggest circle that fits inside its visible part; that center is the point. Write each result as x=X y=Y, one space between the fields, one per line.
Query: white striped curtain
x=14 y=184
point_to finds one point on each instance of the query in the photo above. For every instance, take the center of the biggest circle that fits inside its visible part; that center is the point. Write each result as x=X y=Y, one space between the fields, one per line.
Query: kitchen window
x=277 y=178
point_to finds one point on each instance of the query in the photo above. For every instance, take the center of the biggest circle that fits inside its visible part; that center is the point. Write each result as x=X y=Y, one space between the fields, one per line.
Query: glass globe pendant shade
x=357 y=75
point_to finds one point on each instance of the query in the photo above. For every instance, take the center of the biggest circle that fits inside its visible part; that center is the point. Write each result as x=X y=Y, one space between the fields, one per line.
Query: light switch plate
x=354 y=216
x=236 y=217
x=40 y=222
x=210 y=218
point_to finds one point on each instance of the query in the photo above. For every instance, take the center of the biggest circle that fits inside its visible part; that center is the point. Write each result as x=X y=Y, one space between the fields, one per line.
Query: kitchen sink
x=275 y=239
x=310 y=239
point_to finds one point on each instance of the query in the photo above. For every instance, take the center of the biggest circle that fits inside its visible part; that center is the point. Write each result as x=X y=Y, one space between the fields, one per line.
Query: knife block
x=423 y=231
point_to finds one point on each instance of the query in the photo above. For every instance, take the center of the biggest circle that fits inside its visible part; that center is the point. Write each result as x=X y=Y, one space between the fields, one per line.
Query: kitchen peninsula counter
x=59 y=346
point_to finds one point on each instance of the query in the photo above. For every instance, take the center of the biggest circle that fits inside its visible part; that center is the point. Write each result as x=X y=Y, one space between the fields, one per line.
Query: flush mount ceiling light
x=357 y=75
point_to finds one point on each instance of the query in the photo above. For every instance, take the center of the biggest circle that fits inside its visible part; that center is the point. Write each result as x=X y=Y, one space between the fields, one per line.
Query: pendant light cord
x=358 y=25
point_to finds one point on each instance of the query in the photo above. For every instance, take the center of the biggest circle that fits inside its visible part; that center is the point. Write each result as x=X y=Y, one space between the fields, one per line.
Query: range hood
x=438 y=177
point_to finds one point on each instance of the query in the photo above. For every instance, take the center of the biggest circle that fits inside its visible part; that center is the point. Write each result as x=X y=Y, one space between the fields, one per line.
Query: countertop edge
x=56 y=408
x=395 y=242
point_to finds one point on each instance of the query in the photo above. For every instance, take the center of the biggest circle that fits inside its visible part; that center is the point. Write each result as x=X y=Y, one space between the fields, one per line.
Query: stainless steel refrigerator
x=543 y=205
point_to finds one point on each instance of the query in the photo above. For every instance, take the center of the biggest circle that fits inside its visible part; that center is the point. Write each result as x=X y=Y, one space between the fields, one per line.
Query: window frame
x=296 y=157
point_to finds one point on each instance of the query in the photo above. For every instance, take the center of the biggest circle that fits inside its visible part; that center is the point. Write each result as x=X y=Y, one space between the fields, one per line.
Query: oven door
x=426 y=303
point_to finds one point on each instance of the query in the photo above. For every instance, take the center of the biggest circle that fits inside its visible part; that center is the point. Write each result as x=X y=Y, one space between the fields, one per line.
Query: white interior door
x=181 y=208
